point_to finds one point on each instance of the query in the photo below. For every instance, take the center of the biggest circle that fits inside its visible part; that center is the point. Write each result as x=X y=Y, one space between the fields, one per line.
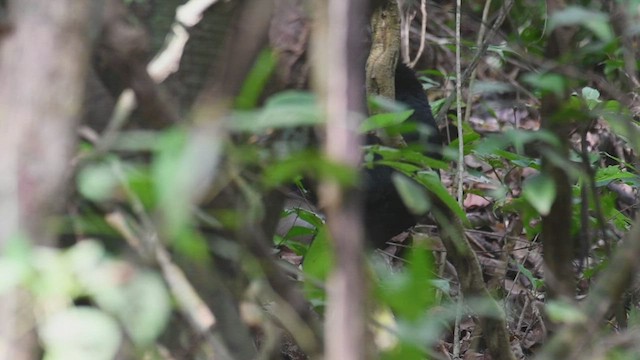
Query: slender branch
x=466 y=75
x=423 y=33
x=460 y=169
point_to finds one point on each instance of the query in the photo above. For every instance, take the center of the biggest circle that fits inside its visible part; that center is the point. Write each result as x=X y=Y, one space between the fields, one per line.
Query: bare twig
x=504 y=10
x=405 y=26
x=479 y=41
x=189 y=303
x=423 y=32
x=460 y=169
x=456 y=329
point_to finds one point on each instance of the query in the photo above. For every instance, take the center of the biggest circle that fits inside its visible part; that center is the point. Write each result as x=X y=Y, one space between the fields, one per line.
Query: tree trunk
x=43 y=62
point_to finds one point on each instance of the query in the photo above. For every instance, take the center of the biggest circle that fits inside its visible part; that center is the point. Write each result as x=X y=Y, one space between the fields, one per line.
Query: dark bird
x=385 y=214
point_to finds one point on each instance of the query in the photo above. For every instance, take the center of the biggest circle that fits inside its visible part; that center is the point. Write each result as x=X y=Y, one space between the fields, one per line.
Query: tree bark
x=339 y=74
x=557 y=242
x=43 y=63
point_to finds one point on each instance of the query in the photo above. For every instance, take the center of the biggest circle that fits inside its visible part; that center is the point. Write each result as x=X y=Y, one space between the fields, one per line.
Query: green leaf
x=561 y=312
x=141 y=183
x=192 y=244
x=55 y=278
x=146 y=308
x=537 y=283
x=309 y=216
x=140 y=300
x=97 y=182
x=381 y=121
x=412 y=194
x=407 y=155
x=80 y=333
x=383 y=104
x=634 y=317
x=283 y=110
x=15 y=263
x=170 y=180
x=608 y=174
x=307 y=163
x=547 y=83
x=493 y=146
x=591 y=97
x=184 y=167
x=317 y=265
x=256 y=80
x=540 y=191
x=613 y=65
x=414 y=282
x=432 y=182
x=136 y=140
x=287 y=170
x=596 y=21
x=405 y=351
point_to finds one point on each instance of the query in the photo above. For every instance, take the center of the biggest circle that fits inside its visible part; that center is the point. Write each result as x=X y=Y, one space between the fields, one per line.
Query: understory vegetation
x=193 y=206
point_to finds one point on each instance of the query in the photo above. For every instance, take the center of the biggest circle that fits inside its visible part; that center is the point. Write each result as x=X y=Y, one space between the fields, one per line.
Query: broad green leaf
x=613 y=65
x=407 y=155
x=596 y=21
x=432 y=182
x=80 y=333
x=171 y=181
x=141 y=183
x=547 y=83
x=317 y=265
x=383 y=104
x=412 y=282
x=256 y=80
x=97 y=182
x=381 y=121
x=561 y=312
x=591 y=97
x=15 y=263
x=185 y=166
x=283 y=110
x=310 y=217
x=634 y=317
x=412 y=194
x=540 y=192
x=612 y=173
x=537 y=283
x=289 y=169
x=140 y=300
x=55 y=278
x=136 y=140
x=307 y=163
x=147 y=307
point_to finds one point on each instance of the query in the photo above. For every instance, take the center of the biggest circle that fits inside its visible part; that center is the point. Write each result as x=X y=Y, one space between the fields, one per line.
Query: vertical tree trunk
x=557 y=243
x=339 y=78
x=43 y=61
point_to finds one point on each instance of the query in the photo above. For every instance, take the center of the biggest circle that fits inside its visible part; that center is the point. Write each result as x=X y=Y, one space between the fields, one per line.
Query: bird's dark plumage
x=385 y=214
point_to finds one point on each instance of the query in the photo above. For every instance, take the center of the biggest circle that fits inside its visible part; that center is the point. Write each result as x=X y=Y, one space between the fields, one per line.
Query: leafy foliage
x=198 y=191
